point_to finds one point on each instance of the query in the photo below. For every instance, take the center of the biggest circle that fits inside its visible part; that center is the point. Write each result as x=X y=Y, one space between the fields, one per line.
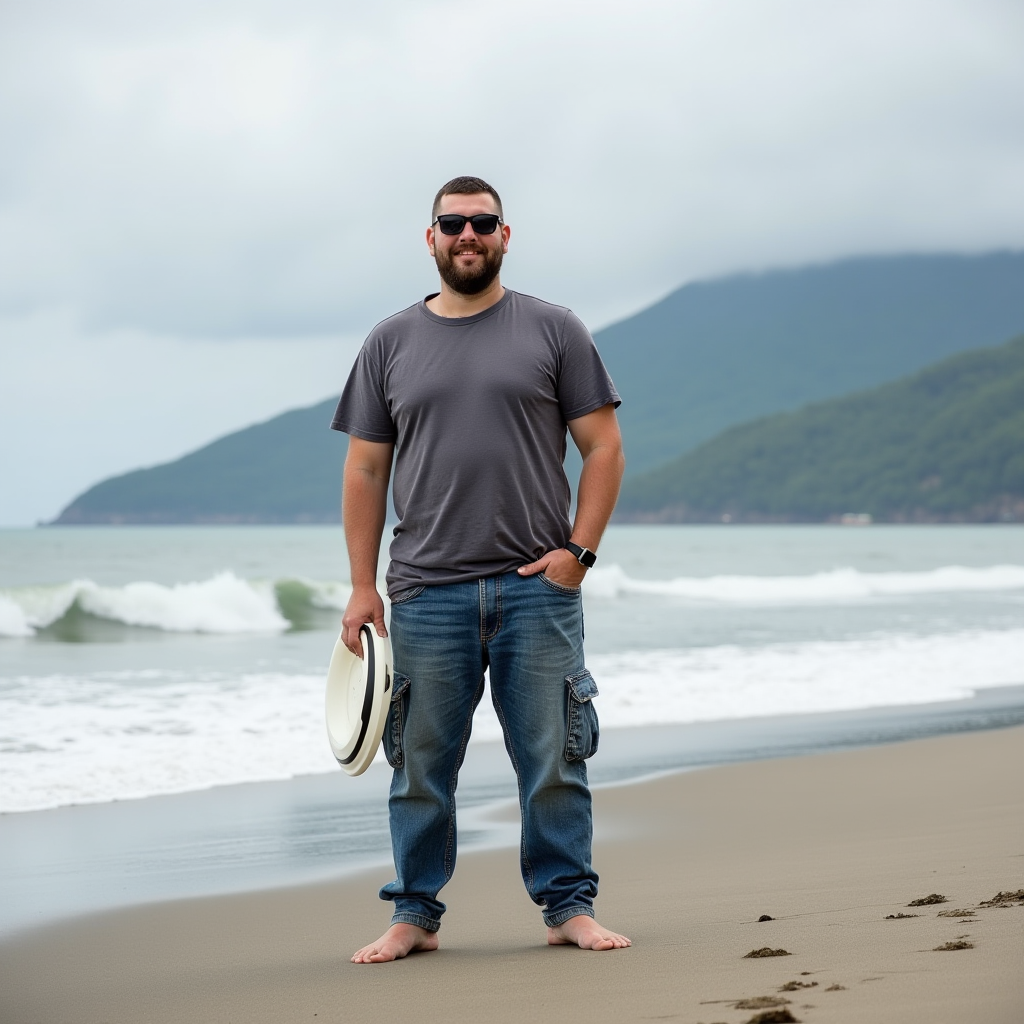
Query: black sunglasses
x=453 y=223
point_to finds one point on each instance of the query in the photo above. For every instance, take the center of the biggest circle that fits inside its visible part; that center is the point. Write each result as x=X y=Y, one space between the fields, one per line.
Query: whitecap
x=836 y=585
x=117 y=735
x=222 y=604
x=727 y=681
x=13 y=621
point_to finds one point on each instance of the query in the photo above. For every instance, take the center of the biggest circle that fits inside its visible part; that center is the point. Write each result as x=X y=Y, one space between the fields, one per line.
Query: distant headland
x=784 y=396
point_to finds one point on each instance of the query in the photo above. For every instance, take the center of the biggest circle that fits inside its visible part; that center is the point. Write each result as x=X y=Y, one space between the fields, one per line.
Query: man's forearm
x=364 y=508
x=598 y=491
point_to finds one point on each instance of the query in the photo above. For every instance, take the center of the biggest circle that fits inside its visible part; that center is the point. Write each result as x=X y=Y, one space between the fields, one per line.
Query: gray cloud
x=203 y=205
x=224 y=169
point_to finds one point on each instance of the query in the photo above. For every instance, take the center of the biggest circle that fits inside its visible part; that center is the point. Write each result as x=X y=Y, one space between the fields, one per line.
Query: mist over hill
x=943 y=445
x=721 y=352
x=709 y=356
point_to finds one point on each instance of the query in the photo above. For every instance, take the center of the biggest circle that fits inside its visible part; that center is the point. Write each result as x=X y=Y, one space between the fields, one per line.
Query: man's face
x=468 y=263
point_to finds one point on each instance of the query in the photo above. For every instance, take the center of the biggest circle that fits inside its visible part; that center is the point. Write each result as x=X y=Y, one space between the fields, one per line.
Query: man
x=473 y=388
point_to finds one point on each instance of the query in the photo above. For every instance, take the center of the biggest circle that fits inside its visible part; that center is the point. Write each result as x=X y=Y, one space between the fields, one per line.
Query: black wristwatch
x=583 y=555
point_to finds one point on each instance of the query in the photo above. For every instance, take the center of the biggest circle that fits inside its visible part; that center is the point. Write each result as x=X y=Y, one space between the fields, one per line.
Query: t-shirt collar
x=462 y=321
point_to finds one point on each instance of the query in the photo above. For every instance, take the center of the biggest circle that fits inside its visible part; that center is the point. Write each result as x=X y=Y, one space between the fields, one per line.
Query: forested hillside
x=721 y=352
x=287 y=470
x=946 y=444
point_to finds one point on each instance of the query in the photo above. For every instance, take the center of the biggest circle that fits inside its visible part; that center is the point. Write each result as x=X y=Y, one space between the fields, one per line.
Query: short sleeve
x=363 y=409
x=584 y=384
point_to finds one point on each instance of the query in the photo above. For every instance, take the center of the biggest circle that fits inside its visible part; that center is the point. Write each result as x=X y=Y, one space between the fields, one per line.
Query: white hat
x=358 y=699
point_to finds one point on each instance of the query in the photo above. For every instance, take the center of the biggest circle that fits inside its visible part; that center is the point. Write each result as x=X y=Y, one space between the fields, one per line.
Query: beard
x=464 y=280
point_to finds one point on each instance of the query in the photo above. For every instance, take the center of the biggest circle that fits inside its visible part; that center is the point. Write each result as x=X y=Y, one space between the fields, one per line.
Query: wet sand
x=829 y=846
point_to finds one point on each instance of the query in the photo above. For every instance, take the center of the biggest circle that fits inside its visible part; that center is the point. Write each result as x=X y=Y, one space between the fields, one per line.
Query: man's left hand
x=560 y=566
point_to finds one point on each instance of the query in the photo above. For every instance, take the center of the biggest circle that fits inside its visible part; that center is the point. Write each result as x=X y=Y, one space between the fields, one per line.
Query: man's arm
x=600 y=443
x=364 y=507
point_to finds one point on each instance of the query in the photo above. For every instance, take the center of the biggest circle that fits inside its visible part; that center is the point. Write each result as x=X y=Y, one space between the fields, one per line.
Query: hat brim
x=357 y=700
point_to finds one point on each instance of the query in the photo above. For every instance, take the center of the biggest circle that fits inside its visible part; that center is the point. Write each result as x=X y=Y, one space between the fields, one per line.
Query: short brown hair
x=464 y=186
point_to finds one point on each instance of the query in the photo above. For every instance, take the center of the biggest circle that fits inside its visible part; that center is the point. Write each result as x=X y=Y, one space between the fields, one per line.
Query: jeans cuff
x=428 y=924
x=554 y=920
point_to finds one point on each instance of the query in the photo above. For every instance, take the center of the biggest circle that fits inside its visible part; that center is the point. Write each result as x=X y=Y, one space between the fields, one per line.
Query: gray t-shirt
x=477 y=408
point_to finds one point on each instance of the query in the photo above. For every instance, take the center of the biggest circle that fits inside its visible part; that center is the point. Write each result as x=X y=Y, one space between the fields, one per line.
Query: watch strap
x=583 y=555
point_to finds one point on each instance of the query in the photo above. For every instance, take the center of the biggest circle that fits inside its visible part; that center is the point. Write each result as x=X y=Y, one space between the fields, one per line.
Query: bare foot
x=398 y=941
x=586 y=933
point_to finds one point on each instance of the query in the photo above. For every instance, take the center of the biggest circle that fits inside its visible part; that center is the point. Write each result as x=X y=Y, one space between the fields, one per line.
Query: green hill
x=286 y=470
x=946 y=444
x=717 y=353
x=709 y=356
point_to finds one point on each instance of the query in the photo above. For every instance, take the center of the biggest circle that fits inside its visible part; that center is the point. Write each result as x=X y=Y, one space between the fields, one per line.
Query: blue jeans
x=529 y=631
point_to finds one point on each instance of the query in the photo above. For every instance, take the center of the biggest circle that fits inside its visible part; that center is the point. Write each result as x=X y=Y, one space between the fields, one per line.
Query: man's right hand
x=365 y=605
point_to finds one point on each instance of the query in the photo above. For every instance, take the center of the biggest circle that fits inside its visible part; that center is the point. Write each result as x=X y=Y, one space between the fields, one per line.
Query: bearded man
x=473 y=389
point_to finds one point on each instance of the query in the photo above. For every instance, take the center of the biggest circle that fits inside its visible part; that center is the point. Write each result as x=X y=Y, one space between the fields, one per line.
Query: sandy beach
x=830 y=846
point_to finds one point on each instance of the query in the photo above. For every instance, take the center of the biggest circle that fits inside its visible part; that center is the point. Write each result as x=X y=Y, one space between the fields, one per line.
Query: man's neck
x=454 y=304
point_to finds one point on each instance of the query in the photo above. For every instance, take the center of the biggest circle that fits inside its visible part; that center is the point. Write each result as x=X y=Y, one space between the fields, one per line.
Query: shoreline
x=829 y=845
x=59 y=864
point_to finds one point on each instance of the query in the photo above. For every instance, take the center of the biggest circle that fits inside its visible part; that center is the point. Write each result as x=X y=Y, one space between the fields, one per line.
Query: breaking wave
x=222 y=604
x=226 y=603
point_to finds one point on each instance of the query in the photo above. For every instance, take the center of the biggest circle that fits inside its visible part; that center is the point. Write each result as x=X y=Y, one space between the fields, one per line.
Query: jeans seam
x=428 y=924
x=485 y=636
x=449 y=868
x=396 y=727
x=554 y=920
x=527 y=866
x=570 y=726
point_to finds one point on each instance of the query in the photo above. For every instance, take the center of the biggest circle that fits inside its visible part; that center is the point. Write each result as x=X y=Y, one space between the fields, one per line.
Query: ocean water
x=144 y=661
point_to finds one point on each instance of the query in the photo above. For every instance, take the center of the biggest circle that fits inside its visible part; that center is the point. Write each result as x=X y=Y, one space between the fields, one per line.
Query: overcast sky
x=205 y=205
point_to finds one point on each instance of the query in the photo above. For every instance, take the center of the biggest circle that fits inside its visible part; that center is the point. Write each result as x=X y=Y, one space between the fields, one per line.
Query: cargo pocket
x=582 y=732
x=395 y=725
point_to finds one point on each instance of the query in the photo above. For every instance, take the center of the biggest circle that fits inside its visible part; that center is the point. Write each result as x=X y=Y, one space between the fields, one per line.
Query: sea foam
x=835 y=586
x=118 y=735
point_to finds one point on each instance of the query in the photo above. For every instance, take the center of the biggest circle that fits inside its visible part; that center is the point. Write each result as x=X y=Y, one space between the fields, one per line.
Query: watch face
x=583 y=555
